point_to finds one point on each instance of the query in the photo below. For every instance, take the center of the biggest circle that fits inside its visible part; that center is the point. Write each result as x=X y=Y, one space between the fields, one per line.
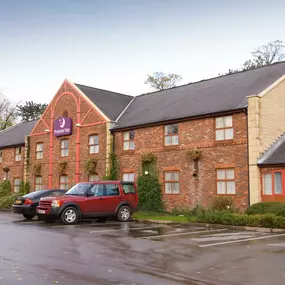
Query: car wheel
x=124 y=214
x=69 y=216
x=28 y=217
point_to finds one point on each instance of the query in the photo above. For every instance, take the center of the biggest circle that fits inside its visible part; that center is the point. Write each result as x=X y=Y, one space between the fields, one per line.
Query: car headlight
x=55 y=203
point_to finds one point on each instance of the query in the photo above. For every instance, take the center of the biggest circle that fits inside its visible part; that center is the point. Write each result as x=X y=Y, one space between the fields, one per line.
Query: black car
x=27 y=204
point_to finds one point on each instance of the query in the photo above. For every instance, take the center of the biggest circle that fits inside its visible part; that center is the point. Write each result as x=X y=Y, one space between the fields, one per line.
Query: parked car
x=101 y=200
x=27 y=204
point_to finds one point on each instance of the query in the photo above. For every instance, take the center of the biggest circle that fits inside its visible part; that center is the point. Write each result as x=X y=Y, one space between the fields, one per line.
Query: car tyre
x=124 y=214
x=28 y=216
x=69 y=216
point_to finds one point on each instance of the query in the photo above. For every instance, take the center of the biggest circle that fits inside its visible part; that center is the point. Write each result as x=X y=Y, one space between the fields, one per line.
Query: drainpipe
x=248 y=181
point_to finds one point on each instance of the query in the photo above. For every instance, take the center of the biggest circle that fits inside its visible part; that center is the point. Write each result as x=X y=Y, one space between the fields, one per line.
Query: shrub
x=25 y=187
x=5 y=188
x=181 y=210
x=149 y=190
x=223 y=203
x=7 y=201
x=276 y=208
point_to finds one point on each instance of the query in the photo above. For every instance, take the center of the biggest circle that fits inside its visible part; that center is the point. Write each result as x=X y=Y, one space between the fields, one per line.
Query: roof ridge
x=117 y=93
x=212 y=78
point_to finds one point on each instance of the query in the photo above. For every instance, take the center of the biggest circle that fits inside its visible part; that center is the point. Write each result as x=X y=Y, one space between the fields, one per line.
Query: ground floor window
x=226 y=184
x=39 y=183
x=272 y=183
x=93 y=177
x=63 y=182
x=16 y=184
x=130 y=177
x=171 y=181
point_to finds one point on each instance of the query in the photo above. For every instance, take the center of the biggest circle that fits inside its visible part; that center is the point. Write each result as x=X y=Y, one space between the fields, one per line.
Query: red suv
x=91 y=200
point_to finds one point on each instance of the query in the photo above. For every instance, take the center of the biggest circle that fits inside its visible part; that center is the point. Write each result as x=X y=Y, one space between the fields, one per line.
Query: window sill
x=226 y=194
x=224 y=142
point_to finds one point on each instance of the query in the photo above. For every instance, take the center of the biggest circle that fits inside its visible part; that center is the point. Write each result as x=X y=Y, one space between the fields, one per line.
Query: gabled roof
x=110 y=103
x=16 y=134
x=275 y=155
x=211 y=96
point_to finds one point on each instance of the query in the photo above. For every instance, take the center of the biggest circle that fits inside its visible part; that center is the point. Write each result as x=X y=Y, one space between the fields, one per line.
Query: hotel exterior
x=235 y=121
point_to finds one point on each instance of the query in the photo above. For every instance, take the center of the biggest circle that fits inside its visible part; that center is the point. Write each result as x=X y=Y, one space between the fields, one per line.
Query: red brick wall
x=66 y=100
x=196 y=133
x=16 y=167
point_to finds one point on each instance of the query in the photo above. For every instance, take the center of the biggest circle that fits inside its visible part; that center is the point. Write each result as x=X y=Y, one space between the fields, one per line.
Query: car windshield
x=35 y=194
x=79 y=189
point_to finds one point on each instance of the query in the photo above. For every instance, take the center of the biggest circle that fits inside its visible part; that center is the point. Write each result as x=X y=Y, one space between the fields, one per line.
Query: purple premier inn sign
x=62 y=126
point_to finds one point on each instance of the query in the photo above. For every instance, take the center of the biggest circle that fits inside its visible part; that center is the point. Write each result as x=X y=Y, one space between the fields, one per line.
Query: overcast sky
x=114 y=44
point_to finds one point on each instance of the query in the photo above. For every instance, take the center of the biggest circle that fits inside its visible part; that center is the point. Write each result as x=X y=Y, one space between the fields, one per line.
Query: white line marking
x=122 y=229
x=89 y=225
x=188 y=233
x=241 y=240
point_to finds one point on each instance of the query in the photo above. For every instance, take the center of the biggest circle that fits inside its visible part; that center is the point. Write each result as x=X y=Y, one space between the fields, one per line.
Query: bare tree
x=7 y=112
x=161 y=81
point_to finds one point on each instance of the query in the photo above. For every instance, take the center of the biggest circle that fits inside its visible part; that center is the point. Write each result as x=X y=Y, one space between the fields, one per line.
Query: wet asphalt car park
x=33 y=252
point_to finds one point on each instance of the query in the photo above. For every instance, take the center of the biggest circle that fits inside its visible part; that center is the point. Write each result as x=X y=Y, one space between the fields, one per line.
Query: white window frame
x=64 y=151
x=93 y=147
x=129 y=140
x=38 y=186
x=225 y=180
x=18 y=154
x=63 y=185
x=171 y=135
x=171 y=182
x=16 y=184
x=40 y=150
x=93 y=178
x=129 y=176
x=224 y=128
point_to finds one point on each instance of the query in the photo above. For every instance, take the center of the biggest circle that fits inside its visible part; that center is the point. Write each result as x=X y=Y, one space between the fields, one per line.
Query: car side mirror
x=89 y=194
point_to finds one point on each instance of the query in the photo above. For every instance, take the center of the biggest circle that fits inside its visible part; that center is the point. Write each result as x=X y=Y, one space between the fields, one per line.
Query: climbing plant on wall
x=149 y=188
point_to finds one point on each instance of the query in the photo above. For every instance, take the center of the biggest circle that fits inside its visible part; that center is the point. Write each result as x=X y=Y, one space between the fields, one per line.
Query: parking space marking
x=126 y=229
x=241 y=240
x=187 y=233
x=90 y=225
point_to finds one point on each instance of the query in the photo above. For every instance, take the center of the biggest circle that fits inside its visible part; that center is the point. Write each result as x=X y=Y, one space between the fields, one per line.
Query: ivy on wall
x=149 y=188
x=90 y=166
x=114 y=168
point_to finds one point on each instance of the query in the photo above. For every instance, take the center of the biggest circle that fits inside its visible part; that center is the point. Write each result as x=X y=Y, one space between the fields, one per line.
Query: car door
x=94 y=202
x=112 y=197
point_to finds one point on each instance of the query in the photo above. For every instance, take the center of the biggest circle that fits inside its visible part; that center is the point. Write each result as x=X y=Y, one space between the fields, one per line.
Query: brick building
x=231 y=119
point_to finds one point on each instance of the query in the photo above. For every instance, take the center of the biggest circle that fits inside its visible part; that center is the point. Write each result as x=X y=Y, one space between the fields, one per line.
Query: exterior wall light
x=146 y=172
x=78 y=125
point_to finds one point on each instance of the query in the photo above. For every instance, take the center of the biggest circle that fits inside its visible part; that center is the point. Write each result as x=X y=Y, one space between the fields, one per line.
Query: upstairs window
x=64 y=144
x=93 y=144
x=226 y=182
x=224 y=128
x=1 y=154
x=18 y=156
x=129 y=140
x=39 y=150
x=171 y=135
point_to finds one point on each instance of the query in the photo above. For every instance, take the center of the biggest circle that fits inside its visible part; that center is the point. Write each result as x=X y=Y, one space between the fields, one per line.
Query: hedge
x=6 y=202
x=227 y=218
x=276 y=208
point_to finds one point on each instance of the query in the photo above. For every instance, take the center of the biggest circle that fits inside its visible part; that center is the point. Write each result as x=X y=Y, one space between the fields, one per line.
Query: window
x=97 y=190
x=63 y=182
x=39 y=183
x=93 y=177
x=226 y=182
x=224 y=128
x=39 y=150
x=270 y=188
x=171 y=135
x=129 y=140
x=112 y=190
x=171 y=180
x=129 y=177
x=17 y=183
x=64 y=144
x=129 y=188
x=1 y=154
x=17 y=154
x=93 y=144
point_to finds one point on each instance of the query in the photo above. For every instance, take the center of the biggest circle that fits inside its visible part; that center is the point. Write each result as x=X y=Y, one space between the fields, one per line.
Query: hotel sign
x=62 y=127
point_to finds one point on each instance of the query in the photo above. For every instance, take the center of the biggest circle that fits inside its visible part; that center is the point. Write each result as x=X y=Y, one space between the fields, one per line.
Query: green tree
x=30 y=111
x=161 y=81
x=7 y=112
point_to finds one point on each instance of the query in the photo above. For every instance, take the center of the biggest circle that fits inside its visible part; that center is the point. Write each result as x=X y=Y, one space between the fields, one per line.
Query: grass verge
x=162 y=217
